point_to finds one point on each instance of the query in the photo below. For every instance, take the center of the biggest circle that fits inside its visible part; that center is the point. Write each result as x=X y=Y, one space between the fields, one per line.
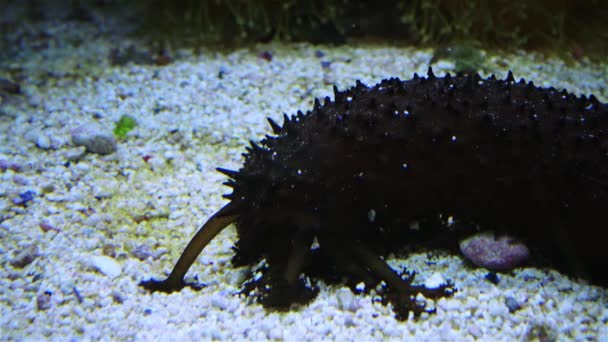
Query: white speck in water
x=450 y=221
x=414 y=225
x=371 y=215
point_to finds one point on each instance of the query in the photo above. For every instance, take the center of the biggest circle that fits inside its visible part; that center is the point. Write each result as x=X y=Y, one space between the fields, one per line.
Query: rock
x=109 y=250
x=434 y=281
x=219 y=301
x=142 y=252
x=24 y=198
x=43 y=301
x=7 y=165
x=106 y=265
x=9 y=86
x=497 y=254
x=346 y=300
x=512 y=304
x=43 y=142
x=74 y=154
x=39 y=138
x=95 y=138
x=492 y=278
x=25 y=257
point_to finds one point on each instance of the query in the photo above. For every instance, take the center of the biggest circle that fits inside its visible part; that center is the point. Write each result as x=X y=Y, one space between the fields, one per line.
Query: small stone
x=266 y=55
x=25 y=257
x=346 y=300
x=109 y=250
x=43 y=142
x=118 y=297
x=475 y=331
x=24 y=198
x=434 y=281
x=9 y=86
x=219 y=301
x=360 y=287
x=95 y=138
x=540 y=332
x=47 y=188
x=512 y=304
x=492 y=278
x=497 y=254
x=74 y=154
x=142 y=252
x=43 y=301
x=6 y=165
x=106 y=265
x=77 y=294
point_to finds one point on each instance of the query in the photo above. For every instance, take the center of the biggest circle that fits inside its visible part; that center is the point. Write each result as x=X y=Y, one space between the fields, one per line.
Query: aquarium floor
x=79 y=230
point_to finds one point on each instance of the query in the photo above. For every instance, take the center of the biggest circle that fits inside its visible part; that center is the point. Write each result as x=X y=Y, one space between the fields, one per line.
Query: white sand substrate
x=93 y=218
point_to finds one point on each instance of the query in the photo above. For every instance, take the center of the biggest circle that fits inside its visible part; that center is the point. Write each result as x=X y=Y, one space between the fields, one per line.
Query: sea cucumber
x=336 y=188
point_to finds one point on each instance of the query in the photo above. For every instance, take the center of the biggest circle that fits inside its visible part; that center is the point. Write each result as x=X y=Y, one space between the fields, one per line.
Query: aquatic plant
x=514 y=24
x=124 y=125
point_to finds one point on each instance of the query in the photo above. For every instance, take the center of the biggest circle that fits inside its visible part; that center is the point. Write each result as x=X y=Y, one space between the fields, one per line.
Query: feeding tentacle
x=175 y=281
x=401 y=292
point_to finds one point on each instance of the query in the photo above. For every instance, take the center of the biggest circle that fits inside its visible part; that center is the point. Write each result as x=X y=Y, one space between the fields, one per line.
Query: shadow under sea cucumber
x=355 y=171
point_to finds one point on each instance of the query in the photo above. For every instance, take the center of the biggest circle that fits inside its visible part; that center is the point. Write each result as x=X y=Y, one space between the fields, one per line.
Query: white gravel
x=102 y=223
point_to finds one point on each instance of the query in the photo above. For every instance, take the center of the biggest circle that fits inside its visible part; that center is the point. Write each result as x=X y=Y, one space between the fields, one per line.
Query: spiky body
x=355 y=172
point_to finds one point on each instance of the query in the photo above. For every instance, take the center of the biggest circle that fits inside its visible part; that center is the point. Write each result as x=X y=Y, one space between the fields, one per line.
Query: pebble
x=512 y=304
x=95 y=138
x=266 y=55
x=9 y=86
x=142 y=252
x=346 y=300
x=38 y=138
x=109 y=250
x=106 y=265
x=219 y=301
x=43 y=301
x=492 y=278
x=360 y=287
x=434 y=281
x=74 y=154
x=118 y=297
x=24 y=198
x=7 y=165
x=43 y=142
x=498 y=254
x=25 y=257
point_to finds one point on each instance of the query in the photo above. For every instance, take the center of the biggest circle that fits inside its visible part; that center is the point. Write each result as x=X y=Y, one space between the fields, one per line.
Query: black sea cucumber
x=355 y=172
